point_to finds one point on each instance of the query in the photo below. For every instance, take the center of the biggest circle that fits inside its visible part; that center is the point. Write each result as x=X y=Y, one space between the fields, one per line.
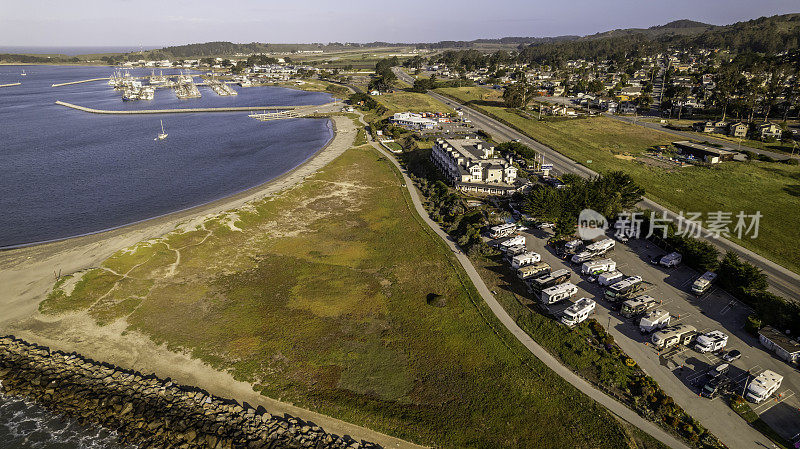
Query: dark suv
x=715 y=386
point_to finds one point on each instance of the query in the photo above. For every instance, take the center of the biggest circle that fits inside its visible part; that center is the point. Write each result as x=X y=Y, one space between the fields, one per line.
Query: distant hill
x=684 y=27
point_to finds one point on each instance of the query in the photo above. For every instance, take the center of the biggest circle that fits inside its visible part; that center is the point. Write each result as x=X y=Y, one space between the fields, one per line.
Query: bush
x=750 y=154
x=753 y=324
x=765 y=158
x=791 y=161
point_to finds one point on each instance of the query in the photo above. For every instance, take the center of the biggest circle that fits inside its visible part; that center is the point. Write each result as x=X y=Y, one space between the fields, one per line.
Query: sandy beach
x=27 y=275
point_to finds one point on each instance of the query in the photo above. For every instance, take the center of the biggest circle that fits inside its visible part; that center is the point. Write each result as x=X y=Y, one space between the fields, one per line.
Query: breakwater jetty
x=79 y=82
x=10 y=84
x=148 y=411
x=184 y=110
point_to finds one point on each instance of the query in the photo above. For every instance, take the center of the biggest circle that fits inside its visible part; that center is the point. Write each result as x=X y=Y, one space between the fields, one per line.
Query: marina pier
x=296 y=111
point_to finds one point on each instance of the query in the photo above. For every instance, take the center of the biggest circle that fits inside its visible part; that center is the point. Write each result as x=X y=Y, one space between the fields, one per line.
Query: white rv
x=578 y=312
x=532 y=271
x=763 y=386
x=671 y=260
x=572 y=246
x=550 y=280
x=654 y=320
x=524 y=259
x=601 y=245
x=711 y=341
x=681 y=333
x=513 y=241
x=598 y=266
x=609 y=278
x=637 y=306
x=512 y=251
x=552 y=295
x=703 y=283
x=503 y=230
x=623 y=289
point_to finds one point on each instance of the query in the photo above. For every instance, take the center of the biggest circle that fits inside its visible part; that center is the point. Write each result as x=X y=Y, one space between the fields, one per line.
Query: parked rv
x=556 y=293
x=670 y=336
x=549 y=280
x=671 y=260
x=572 y=246
x=763 y=386
x=512 y=241
x=512 y=251
x=637 y=306
x=578 y=312
x=524 y=259
x=711 y=341
x=503 y=230
x=601 y=245
x=596 y=249
x=532 y=271
x=598 y=266
x=654 y=320
x=609 y=278
x=624 y=289
x=703 y=283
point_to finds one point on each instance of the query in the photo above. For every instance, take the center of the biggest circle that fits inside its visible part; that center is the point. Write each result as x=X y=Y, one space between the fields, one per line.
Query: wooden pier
x=10 y=84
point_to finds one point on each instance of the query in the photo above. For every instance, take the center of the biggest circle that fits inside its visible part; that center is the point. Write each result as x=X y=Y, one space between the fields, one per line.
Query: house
x=705 y=153
x=711 y=126
x=779 y=343
x=738 y=129
x=627 y=108
x=472 y=165
x=770 y=130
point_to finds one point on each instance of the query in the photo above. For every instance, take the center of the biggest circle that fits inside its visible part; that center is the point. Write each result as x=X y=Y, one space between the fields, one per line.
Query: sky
x=170 y=22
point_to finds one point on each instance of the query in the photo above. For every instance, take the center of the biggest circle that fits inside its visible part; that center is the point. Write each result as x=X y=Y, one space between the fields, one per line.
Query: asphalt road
x=782 y=281
x=611 y=404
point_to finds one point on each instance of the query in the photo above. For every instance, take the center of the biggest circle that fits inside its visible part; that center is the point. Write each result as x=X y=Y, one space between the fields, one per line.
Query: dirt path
x=28 y=274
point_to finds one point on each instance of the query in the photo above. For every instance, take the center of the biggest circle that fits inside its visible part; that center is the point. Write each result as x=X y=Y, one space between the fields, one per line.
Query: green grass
x=780 y=147
x=771 y=188
x=320 y=300
x=411 y=102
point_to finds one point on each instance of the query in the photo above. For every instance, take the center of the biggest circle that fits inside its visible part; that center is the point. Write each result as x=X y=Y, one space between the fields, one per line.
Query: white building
x=473 y=166
x=412 y=120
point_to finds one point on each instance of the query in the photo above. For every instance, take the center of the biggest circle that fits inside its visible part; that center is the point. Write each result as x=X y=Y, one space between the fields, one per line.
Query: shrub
x=791 y=161
x=753 y=324
x=765 y=158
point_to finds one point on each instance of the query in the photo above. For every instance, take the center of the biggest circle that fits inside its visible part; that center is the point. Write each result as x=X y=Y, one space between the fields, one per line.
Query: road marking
x=731 y=304
x=772 y=401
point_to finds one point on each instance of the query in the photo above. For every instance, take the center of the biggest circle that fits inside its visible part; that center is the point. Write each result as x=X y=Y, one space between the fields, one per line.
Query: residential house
x=738 y=129
x=779 y=343
x=767 y=130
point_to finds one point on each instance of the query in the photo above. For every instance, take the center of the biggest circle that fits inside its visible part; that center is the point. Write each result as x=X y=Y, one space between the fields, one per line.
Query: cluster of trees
x=517 y=148
x=366 y=102
x=28 y=59
x=384 y=76
x=609 y=194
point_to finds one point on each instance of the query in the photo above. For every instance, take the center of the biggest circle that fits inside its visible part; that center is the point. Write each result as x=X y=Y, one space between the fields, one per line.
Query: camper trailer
x=515 y=250
x=503 y=230
x=556 y=293
x=654 y=320
x=524 y=259
x=513 y=241
x=763 y=386
x=671 y=260
x=598 y=266
x=596 y=249
x=703 y=283
x=624 y=289
x=532 y=271
x=550 y=280
x=578 y=312
x=601 y=245
x=609 y=278
x=572 y=246
x=637 y=306
x=711 y=342
x=670 y=336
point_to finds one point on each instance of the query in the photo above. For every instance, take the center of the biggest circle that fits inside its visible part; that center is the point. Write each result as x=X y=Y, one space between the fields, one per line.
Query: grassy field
x=319 y=296
x=771 y=188
x=399 y=101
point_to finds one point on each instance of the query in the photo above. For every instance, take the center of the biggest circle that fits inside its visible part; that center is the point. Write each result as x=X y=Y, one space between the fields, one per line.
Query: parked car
x=714 y=386
x=546 y=225
x=657 y=258
x=732 y=355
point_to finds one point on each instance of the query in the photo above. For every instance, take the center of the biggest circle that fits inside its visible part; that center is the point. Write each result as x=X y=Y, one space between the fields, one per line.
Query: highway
x=781 y=280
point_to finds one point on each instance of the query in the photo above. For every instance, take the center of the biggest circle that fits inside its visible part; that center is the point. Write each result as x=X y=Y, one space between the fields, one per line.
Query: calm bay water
x=65 y=173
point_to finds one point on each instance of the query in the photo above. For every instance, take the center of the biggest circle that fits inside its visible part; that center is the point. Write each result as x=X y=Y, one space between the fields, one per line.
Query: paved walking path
x=615 y=407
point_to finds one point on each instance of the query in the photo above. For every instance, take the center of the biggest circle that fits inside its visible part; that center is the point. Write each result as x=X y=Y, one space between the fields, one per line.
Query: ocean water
x=65 y=172
x=26 y=425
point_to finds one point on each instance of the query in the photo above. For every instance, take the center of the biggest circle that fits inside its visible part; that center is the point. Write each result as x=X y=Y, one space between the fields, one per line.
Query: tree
x=516 y=95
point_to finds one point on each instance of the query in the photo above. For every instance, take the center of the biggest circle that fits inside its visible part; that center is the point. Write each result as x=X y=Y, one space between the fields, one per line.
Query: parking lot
x=682 y=371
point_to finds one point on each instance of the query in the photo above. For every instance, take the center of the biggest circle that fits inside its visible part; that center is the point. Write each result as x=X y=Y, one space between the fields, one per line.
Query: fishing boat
x=162 y=135
x=147 y=93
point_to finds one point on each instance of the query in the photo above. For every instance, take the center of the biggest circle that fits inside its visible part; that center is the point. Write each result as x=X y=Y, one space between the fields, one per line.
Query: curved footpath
x=26 y=275
x=611 y=404
x=781 y=280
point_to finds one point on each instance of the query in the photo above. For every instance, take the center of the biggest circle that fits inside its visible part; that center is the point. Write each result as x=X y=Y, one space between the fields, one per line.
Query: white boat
x=23 y=73
x=147 y=93
x=162 y=135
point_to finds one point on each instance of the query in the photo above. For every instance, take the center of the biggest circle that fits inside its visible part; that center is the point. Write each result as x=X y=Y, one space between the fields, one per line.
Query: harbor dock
x=79 y=82
x=10 y=84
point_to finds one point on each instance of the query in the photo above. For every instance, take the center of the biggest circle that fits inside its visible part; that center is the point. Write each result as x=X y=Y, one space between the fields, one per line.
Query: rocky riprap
x=147 y=411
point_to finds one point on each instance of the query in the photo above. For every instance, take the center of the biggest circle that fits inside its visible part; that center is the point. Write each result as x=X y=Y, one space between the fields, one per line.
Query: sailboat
x=23 y=73
x=162 y=135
